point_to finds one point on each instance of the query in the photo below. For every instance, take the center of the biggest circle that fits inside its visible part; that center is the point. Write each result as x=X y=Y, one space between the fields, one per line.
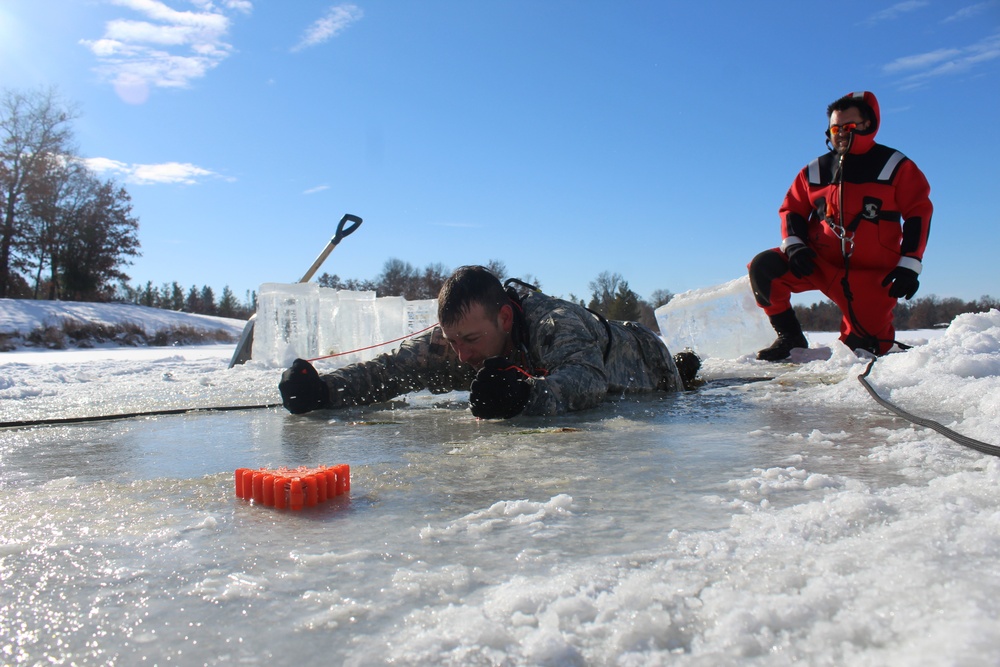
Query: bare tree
x=660 y=297
x=398 y=278
x=603 y=289
x=34 y=128
x=497 y=268
x=331 y=281
x=432 y=280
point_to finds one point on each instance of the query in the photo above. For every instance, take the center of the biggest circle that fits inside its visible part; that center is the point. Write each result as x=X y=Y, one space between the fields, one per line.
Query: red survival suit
x=865 y=217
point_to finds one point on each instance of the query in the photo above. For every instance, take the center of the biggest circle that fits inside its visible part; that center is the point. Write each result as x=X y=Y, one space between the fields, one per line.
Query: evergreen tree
x=207 y=298
x=228 y=306
x=625 y=305
x=603 y=290
x=176 y=301
x=192 y=304
x=147 y=296
x=613 y=298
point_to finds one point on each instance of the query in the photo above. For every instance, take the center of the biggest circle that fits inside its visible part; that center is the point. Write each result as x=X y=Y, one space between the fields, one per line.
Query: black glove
x=800 y=259
x=500 y=390
x=301 y=389
x=904 y=283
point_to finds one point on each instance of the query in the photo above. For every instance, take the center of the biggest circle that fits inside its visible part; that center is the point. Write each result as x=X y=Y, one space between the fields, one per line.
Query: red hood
x=863 y=141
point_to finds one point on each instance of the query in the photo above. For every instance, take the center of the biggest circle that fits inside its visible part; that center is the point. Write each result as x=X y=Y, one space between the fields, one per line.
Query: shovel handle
x=244 y=348
x=341 y=233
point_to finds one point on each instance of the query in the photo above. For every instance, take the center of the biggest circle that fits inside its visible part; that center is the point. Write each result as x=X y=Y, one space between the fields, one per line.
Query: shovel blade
x=244 y=348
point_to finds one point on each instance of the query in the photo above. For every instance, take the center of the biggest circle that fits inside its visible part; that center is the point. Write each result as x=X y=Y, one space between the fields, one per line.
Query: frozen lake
x=776 y=522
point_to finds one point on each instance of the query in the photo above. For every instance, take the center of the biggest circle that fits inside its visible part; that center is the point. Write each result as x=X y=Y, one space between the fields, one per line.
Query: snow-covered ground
x=776 y=517
x=22 y=316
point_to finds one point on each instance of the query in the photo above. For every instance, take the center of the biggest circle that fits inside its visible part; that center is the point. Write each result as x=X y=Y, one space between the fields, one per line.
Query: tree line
x=610 y=294
x=202 y=301
x=64 y=232
x=67 y=234
x=921 y=313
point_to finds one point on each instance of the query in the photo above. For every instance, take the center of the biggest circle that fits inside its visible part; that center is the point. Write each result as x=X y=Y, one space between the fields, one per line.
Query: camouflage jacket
x=576 y=358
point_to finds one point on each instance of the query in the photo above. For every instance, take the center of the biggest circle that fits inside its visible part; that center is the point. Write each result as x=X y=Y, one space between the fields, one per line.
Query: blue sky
x=564 y=138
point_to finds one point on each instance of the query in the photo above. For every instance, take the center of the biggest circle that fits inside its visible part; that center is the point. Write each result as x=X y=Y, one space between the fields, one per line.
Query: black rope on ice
x=979 y=446
x=130 y=415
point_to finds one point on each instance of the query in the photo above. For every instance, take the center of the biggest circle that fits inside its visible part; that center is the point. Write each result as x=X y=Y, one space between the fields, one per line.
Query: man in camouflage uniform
x=524 y=353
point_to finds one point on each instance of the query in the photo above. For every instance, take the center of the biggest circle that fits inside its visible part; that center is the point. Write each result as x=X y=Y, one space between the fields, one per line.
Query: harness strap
x=869 y=341
x=607 y=327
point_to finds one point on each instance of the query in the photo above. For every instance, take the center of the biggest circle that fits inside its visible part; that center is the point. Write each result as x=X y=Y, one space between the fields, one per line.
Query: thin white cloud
x=125 y=32
x=244 y=6
x=103 y=165
x=335 y=21
x=920 y=61
x=971 y=11
x=166 y=173
x=944 y=62
x=896 y=11
x=165 y=48
x=318 y=188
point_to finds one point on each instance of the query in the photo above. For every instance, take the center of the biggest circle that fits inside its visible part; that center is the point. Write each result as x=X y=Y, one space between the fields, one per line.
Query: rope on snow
x=979 y=446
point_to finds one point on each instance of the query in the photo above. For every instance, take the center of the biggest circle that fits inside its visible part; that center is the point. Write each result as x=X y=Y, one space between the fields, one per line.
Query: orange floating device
x=293 y=488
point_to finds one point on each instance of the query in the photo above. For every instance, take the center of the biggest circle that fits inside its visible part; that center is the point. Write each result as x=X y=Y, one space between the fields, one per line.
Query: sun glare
x=9 y=40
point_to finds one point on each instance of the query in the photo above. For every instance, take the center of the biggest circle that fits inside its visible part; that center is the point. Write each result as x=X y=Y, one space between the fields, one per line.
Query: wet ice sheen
x=782 y=522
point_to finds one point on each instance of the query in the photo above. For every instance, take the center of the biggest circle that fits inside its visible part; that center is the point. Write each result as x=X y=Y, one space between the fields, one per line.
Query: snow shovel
x=244 y=348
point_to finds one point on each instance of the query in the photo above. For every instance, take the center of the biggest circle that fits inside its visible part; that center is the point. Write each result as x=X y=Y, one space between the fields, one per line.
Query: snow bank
x=22 y=316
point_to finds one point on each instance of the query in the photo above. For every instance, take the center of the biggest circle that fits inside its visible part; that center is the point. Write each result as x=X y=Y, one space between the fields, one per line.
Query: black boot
x=868 y=344
x=789 y=336
x=688 y=363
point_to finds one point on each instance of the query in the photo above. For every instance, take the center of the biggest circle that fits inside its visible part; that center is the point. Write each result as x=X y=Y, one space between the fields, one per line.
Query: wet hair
x=467 y=286
x=850 y=102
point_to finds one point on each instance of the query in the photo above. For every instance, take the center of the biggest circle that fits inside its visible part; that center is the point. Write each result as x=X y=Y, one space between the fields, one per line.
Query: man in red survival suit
x=854 y=225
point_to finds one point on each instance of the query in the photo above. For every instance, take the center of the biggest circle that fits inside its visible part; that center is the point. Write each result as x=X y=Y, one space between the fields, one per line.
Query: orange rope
x=520 y=370
x=388 y=342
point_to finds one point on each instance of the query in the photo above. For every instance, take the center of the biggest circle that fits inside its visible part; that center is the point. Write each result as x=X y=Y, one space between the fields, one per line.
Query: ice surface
x=722 y=321
x=307 y=321
x=787 y=521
